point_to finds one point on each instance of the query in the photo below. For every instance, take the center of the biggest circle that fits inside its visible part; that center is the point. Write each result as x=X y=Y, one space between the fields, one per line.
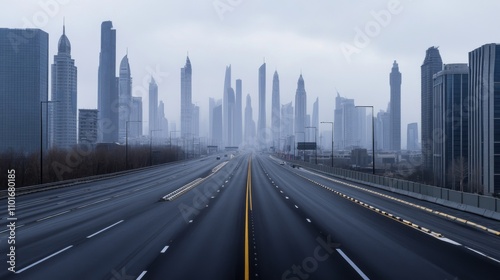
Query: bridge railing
x=487 y=206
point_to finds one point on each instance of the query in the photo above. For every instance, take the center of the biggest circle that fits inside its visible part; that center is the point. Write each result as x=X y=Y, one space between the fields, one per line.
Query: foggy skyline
x=292 y=37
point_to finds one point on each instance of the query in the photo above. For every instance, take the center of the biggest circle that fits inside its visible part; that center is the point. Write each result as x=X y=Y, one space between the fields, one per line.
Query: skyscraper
x=382 y=131
x=186 y=100
x=395 y=110
x=162 y=121
x=451 y=120
x=135 y=126
x=125 y=97
x=64 y=79
x=287 y=125
x=87 y=126
x=24 y=56
x=412 y=137
x=315 y=119
x=300 y=110
x=153 y=106
x=195 y=126
x=261 y=127
x=249 y=122
x=108 y=101
x=275 y=110
x=238 y=114
x=225 y=106
x=231 y=101
x=432 y=64
x=484 y=115
x=217 y=125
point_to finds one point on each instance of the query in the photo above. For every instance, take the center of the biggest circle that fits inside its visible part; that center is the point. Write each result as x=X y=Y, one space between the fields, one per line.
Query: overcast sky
x=322 y=39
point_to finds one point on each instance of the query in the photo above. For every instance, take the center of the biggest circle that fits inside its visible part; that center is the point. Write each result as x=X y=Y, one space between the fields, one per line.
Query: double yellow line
x=248 y=203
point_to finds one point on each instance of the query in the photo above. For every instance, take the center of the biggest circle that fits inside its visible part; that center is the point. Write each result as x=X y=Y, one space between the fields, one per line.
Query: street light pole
x=373 y=136
x=41 y=133
x=332 y=139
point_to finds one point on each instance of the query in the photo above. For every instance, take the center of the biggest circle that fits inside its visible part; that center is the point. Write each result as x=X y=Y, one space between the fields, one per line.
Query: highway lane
x=406 y=208
x=212 y=247
x=288 y=244
x=383 y=248
x=43 y=238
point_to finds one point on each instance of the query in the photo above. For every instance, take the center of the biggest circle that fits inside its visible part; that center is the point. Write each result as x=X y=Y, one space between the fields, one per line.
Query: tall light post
x=373 y=136
x=315 y=143
x=41 y=132
x=151 y=145
x=298 y=143
x=332 y=139
x=126 y=142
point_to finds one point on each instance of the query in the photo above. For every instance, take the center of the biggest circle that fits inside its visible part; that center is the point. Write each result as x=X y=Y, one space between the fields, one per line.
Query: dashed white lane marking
x=296 y=206
x=142 y=275
x=164 y=249
x=104 y=229
x=44 y=259
x=95 y=202
x=52 y=216
x=353 y=265
x=308 y=220
x=9 y=229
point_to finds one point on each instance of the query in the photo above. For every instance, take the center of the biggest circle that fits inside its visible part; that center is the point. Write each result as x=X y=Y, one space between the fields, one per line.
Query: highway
x=242 y=217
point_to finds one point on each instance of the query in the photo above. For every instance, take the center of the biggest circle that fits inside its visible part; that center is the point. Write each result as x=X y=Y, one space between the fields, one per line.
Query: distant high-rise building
x=412 y=137
x=135 y=126
x=87 y=126
x=186 y=103
x=432 y=64
x=125 y=97
x=275 y=110
x=395 y=111
x=196 y=121
x=315 y=119
x=211 y=106
x=287 y=126
x=64 y=111
x=484 y=124
x=153 y=106
x=238 y=115
x=24 y=64
x=225 y=106
x=382 y=131
x=231 y=101
x=348 y=119
x=300 y=110
x=217 y=126
x=261 y=123
x=451 y=120
x=249 y=122
x=108 y=99
x=162 y=121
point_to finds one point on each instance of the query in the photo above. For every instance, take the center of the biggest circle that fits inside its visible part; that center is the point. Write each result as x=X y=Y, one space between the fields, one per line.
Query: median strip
x=182 y=190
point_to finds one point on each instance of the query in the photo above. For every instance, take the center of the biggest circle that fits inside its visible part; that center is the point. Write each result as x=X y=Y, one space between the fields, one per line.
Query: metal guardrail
x=487 y=206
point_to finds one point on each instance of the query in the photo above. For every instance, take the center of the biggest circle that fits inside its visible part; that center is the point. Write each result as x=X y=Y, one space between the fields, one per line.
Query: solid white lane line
x=164 y=249
x=142 y=275
x=92 y=235
x=44 y=259
x=52 y=216
x=353 y=265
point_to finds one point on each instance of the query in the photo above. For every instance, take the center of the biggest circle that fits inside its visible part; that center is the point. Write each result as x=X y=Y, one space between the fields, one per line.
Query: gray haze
x=291 y=36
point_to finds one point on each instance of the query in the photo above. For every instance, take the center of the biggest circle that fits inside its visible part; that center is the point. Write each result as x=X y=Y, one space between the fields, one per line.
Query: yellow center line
x=248 y=201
